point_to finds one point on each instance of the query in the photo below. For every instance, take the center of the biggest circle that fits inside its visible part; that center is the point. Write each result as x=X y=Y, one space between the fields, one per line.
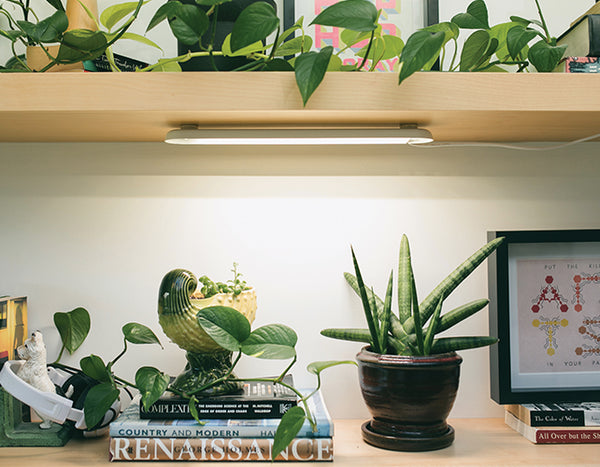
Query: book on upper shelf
x=583 y=38
x=565 y=414
x=257 y=399
x=218 y=449
x=555 y=434
x=130 y=425
x=593 y=10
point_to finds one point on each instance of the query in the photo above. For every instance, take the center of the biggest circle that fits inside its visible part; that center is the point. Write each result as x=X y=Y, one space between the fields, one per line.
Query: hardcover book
x=583 y=38
x=553 y=435
x=581 y=65
x=565 y=414
x=130 y=425
x=218 y=449
x=256 y=400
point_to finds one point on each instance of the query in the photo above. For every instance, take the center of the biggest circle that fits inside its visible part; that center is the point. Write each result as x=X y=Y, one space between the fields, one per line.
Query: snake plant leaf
x=461 y=313
x=432 y=329
x=47 y=30
x=453 y=344
x=81 y=44
x=139 y=334
x=95 y=368
x=225 y=325
x=545 y=57
x=288 y=428
x=189 y=24
x=151 y=383
x=348 y=334
x=357 y=15
x=73 y=327
x=98 y=401
x=387 y=312
x=111 y=15
x=404 y=284
x=476 y=16
x=310 y=69
x=474 y=50
x=273 y=341
x=517 y=38
x=255 y=23
x=453 y=280
x=416 y=313
x=420 y=48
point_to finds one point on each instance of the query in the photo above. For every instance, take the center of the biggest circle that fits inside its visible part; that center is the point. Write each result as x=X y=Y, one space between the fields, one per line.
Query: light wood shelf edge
x=144 y=106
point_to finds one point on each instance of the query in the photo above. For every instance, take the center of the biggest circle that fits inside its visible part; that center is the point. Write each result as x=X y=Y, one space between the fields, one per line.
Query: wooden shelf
x=124 y=107
x=478 y=442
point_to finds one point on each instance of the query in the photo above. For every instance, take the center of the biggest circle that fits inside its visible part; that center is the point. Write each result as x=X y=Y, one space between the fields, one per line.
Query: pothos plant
x=26 y=28
x=413 y=330
x=229 y=328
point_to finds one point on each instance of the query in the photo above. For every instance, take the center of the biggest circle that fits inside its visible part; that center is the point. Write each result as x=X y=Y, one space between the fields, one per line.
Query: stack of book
x=556 y=423
x=583 y=43
x=233 y=428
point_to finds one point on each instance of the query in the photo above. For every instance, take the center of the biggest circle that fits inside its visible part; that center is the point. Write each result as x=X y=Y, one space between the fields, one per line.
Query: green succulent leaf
x=288 y=428
x=73 y=327
x=476 y=16
x=139 y=334
x=357 y=15
x=95 y=368
x=273 y=341
x=432 y=328
x=310 y=69
x=545 y=57
x=517 y=39
x=404 y=284
x=151 y=383
x=420 y=48
x=461 y=313
x=255 y=23
x=225 y=325
x=454 y=344
x=97 y=402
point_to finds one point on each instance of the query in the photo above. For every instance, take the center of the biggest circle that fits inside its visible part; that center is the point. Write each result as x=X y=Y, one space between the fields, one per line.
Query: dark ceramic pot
x=228 y=13
x=409 y=398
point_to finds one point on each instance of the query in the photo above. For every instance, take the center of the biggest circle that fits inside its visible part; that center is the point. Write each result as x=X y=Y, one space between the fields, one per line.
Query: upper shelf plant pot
x=226 y=16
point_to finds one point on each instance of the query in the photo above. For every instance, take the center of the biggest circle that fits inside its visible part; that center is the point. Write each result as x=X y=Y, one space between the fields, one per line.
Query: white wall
x=98 y=225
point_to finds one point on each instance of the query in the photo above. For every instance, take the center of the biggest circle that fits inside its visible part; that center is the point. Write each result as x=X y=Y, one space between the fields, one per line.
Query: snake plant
x=414 y=329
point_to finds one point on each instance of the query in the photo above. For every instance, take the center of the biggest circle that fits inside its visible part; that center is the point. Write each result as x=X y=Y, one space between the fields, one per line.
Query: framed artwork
x=544 y=291
x=400 y=18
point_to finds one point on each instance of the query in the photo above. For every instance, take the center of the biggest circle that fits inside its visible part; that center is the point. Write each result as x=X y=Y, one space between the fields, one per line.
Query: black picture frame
x=527 y=253
x=289 y=13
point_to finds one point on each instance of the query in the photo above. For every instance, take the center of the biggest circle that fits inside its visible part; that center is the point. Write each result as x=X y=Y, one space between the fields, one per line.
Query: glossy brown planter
x=409 y=398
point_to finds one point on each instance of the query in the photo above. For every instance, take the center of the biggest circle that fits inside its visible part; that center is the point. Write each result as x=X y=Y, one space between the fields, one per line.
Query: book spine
x=324 y=430
x=553 y=435
x=551 y=418
x=218 y=449
x=166 y=409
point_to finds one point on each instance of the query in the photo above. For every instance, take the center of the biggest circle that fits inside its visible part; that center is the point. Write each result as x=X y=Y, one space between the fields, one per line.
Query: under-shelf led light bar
x=191 y=134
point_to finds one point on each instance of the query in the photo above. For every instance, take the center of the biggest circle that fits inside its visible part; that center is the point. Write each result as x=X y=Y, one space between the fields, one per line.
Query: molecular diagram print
x=581 y=280
x=590 y=329
x=550 y=327
x=549 y=294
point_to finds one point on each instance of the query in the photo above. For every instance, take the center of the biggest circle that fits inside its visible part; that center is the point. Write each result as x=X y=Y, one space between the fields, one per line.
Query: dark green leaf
x=476 y=16
x=450 y=30
x=500 y=32
x=474 y=50
x=81 y=44
x=288 y=428
x=545 y=57
x=517 y=38
x=11 y=35
x=225 y=325
x=383 y=48
x=97 y=402
x=278 y=64
x=294 y=46
x=211 y=2
x=193 y=408
x=432 y=329
x=273 y=341
x=47 y=30
x=151 y=383
x=420 y=48
x=358 y=15
x=453 y=344
x=73 y=327
x=139 y=334
x=189 y=24
x=310 y=68
x=56 y=4
x=167 y=10
x=255 y=23
x=94 y=367
x=525 y=22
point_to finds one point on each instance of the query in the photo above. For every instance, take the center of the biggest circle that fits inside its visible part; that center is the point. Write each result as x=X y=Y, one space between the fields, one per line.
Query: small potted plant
x=408 y=376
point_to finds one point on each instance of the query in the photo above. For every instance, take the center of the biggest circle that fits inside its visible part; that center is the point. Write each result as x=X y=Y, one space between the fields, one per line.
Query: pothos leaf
x=73 y=327
x=151 y=383
x=288 y=428
x=310 y=69
x=98 y=401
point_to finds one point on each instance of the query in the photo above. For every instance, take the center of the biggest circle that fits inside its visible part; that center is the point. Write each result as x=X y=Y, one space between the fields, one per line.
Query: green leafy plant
x=487 y=48
x=413 y=330
x=235 y=286
x=76 y=45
